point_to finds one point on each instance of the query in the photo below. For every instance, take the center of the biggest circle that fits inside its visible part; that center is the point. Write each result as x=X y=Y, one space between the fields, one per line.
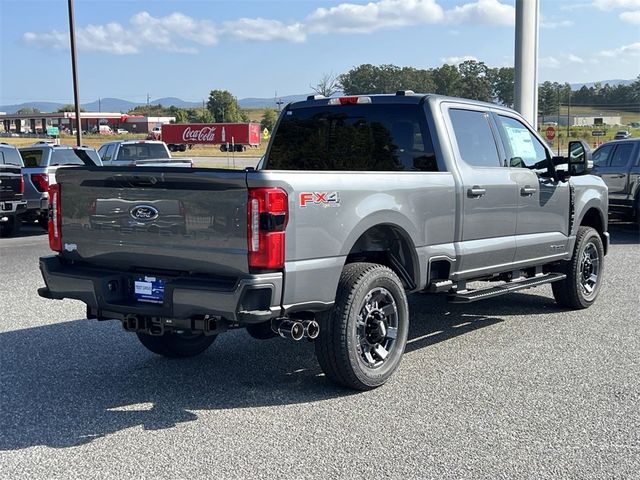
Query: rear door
x=615 y=169
x=543 y=203
x=489 y=193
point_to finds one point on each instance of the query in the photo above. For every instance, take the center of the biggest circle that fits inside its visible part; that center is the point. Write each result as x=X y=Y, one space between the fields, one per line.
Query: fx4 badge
x=326 y=199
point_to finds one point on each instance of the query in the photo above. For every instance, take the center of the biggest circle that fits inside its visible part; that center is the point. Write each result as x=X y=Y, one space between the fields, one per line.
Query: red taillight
x=40 y=181
x=267 y=215
x=55 y=218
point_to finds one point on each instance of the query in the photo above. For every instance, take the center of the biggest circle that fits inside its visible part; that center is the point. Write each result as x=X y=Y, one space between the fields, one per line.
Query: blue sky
x=185 y=48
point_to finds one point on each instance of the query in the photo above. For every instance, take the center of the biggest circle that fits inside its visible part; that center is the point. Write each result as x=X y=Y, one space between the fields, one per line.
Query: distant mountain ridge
x=120 y=105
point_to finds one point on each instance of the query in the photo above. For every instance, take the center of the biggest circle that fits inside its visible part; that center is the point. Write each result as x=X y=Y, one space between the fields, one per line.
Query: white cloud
x=631 y=50
x=560 y=60
x=457 y=60
x=549 y=62
x=54 y=39
x=557 y=24
x=261 y=29
x=616 y=4
x=178 y=32
x=164 y=33
x=483 y=12
x=631 y=17
x=354 y=18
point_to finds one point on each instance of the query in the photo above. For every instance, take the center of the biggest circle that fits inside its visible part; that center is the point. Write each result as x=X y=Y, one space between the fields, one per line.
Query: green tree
x=446 y=80
x=204 y=116
x=181 y=116
x=269 y=118
x=502 y=84
x=27 y=111
x=244 y=116
x=223 y=106
x=474 y=81
x=547 y=99
x=69 y=108
x=151 y=111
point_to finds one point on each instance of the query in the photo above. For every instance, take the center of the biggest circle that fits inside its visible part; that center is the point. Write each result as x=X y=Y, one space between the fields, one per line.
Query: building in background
x=37 y=123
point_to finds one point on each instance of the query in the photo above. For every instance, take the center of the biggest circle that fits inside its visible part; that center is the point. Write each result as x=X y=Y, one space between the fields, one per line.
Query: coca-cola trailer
x=230 y=136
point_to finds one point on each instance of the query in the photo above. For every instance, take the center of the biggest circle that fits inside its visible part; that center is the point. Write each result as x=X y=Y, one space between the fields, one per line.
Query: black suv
x=11 y=189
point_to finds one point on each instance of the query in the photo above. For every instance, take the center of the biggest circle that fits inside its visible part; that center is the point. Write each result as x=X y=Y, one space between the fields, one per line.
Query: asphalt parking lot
x=510 y=388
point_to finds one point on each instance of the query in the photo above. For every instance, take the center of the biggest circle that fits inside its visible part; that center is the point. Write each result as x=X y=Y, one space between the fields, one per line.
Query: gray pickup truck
x=358 y=202
x=618 y=163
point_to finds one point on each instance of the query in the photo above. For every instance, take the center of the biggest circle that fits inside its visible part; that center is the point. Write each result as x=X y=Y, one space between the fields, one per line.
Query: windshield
x=382 y=137
x=142 y=151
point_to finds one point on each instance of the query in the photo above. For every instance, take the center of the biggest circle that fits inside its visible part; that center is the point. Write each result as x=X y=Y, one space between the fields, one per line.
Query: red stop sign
x=551 y=133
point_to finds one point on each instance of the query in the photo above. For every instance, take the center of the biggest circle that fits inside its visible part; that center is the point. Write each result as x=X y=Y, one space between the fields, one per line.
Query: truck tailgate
x=155 y=219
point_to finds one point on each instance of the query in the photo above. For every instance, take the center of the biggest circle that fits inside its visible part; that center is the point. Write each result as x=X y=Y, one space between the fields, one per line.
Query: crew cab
x=358 y=202
x=140 y=153
x=618 y=163
x=12 y=205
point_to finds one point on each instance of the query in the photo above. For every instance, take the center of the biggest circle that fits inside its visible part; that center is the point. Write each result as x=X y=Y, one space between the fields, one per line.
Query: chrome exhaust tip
x=311 y=329
x=291 y=329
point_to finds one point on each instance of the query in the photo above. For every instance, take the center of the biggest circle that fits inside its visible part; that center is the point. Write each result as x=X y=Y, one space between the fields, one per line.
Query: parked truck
x=230 y=136
x=12 y=203
x=358 y=202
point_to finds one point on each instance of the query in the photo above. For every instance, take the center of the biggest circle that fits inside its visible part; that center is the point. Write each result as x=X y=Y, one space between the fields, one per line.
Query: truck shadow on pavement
x=624 y=232
x=66 y=384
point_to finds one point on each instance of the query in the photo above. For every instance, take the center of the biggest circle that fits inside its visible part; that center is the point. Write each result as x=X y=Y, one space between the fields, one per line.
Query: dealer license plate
x=149 y=289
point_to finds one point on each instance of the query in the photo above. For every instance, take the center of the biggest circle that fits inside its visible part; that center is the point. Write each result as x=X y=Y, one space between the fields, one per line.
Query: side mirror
x=579 y=158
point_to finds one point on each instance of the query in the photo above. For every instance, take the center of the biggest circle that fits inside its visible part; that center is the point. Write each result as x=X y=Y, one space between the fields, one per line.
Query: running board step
x=468 y=296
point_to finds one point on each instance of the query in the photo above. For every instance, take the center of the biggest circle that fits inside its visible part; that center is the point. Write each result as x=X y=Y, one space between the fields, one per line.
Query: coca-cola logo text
x=203 y=134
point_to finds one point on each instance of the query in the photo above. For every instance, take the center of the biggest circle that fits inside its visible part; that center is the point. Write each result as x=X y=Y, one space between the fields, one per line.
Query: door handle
x=620 y=175
x=476 y=191
x=527 y=191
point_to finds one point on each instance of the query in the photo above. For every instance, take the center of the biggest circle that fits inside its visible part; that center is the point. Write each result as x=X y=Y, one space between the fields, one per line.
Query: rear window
x=34 y=158
x=365 y=137
x=63 y=156
x=142 y=151
x=10 y=156
x=70 y=156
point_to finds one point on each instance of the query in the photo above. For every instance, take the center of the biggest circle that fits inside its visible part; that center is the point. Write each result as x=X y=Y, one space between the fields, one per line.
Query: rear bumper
x=12 y=207
x=109 y=294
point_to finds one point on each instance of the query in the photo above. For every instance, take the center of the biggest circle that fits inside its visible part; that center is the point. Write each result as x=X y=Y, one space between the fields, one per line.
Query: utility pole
x=74 y=69
x=569 y=113
x=148 y=98
x=526 y=60
x=99 y=105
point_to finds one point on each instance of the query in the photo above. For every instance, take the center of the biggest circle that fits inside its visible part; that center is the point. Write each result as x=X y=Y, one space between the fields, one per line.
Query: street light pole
x=74 y=68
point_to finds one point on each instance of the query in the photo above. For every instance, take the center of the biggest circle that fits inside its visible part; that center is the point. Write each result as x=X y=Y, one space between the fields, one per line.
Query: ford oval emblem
x=144 y=213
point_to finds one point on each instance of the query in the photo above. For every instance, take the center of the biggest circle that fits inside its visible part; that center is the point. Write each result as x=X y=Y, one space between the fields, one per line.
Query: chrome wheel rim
x=376 y=328
x=589 y=270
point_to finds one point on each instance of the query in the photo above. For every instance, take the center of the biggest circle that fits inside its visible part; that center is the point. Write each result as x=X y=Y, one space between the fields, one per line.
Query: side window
x=107 y=153
x=524 y=150
x=474 y=137
x=621 y=156
x=12 y=157
x=602 y=155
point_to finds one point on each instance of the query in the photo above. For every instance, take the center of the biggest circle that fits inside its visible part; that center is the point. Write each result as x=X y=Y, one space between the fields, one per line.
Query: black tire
x=177 y=345
x=43 y=221
x=584 y=272
x=11 y=227
x=346 y=348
